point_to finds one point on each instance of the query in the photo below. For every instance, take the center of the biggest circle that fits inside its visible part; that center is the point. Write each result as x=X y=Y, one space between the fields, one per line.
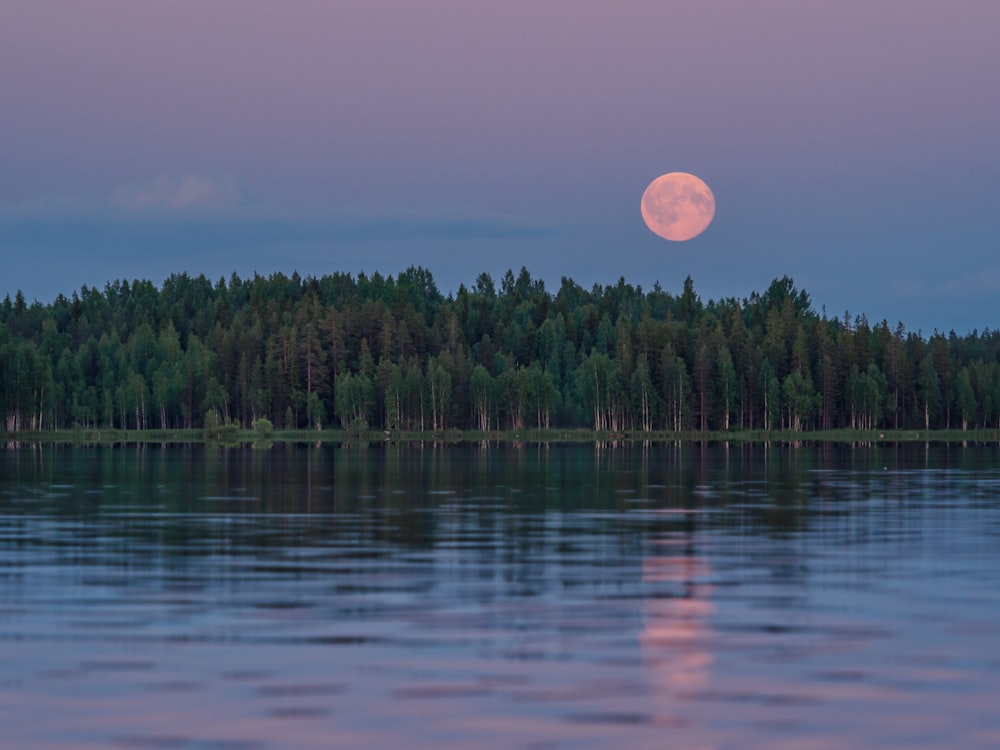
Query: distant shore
x=575 y=435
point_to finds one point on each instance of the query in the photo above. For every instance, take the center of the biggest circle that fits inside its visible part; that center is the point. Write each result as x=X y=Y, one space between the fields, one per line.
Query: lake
x=687 y=596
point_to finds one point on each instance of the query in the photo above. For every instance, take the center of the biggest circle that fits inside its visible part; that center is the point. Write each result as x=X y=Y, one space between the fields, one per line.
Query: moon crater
x=678 y=206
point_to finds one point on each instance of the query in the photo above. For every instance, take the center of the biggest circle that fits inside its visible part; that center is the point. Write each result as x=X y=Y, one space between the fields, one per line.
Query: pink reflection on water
x=676 y=631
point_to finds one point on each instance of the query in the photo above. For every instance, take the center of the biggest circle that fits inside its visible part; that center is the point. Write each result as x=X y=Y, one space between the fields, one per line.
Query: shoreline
x=574 y=435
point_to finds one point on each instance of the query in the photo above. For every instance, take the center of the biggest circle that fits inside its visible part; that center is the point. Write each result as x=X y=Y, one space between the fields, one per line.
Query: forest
x=378 y=352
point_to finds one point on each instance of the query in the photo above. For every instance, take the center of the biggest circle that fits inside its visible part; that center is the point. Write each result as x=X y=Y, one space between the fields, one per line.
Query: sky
x=850 y=145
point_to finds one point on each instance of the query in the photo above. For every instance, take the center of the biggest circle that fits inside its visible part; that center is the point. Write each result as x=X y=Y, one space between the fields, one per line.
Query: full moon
x=678 y=206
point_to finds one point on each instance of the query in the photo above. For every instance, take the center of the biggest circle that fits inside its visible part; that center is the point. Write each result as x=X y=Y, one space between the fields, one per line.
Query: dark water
x=694 y=597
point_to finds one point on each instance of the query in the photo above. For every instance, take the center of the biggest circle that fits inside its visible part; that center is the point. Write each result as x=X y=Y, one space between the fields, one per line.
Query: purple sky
x=851 y=145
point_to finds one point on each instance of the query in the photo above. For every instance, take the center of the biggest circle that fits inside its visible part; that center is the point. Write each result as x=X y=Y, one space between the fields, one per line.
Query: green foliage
x=217 y=429
x=394 y=353
x=315 y=410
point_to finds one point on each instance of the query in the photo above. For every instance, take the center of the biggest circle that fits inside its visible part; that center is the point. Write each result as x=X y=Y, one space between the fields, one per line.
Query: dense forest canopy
x=395 y=353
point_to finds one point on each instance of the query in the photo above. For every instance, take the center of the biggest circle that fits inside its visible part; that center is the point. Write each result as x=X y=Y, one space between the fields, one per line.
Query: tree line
x=395 y=353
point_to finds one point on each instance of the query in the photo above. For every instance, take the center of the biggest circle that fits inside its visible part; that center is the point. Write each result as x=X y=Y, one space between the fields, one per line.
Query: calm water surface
x=692 y=597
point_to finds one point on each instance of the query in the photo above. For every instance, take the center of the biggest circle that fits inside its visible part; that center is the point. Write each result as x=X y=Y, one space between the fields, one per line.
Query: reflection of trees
x=415 y=495
x=676 y=629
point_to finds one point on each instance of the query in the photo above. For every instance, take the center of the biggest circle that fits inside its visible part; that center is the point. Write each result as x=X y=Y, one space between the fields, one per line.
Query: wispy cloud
x=218 y=232
x=442 y=226
x=216 y=211
x=177 y=193
x=48 y=206
x=986 y=281
x=908 y=288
